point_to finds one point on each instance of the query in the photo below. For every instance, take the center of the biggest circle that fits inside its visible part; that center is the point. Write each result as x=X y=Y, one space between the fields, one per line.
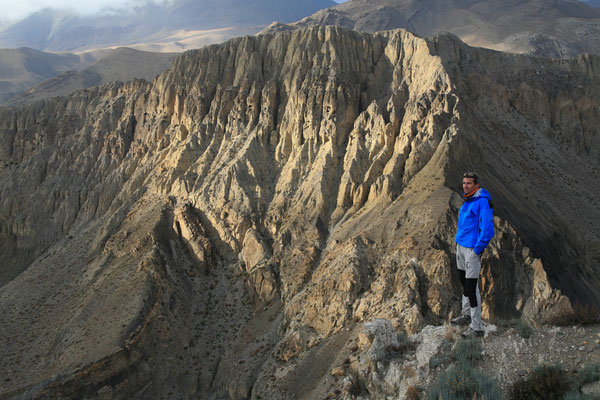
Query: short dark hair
x=472 y=175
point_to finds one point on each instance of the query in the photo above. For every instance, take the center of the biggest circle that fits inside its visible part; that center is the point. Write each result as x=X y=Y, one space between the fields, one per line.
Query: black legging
x=469 y=286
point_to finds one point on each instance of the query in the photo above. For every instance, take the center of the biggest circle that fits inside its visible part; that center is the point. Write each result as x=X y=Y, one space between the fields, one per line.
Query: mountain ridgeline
x=153 y=26
x=221 y=231
x=549 y=28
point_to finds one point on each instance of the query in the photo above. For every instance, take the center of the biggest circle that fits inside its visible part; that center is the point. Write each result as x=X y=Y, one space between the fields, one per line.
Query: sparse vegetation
x=467 y=352
x=575 y=396
x=588 y=374
x=404 y=345
x=403 y=339
x=355 y=388
x=582 y=314
x=543 y=383
x=412 y=393
x=553 y=382
x=449 y=334
x=523 y=329
x=408 y=371
x=463 y=380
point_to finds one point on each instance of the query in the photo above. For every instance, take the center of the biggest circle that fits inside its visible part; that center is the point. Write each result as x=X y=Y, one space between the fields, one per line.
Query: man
x=475 y=230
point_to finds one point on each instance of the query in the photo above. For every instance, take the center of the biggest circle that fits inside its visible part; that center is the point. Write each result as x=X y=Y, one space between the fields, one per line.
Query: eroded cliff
x=221 y=230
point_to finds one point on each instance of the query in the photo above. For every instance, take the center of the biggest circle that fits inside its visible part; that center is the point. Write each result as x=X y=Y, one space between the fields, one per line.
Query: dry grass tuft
x=412 y=393
x=408 y=371
x=449 y=334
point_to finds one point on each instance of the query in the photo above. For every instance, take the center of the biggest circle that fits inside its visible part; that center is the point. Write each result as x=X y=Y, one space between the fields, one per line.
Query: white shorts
x=468 y=261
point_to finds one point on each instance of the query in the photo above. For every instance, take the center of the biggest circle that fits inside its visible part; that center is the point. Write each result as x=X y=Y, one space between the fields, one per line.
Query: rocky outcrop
x=262 y=198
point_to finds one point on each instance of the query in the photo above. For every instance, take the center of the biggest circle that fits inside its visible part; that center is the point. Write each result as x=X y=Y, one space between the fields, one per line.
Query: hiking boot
x=462 y=320
x=470 y=333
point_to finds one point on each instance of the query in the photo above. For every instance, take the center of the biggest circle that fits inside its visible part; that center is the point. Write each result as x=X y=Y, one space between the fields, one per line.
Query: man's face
x=469 y=185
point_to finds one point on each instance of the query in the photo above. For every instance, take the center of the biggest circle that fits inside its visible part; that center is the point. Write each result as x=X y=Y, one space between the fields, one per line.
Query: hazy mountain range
x=174 y=27
x=153 y=27
x=593 y=3
x=551 y=28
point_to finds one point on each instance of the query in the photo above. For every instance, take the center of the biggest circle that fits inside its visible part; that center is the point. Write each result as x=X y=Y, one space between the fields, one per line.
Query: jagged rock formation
x=550 y=28
x=224 y=230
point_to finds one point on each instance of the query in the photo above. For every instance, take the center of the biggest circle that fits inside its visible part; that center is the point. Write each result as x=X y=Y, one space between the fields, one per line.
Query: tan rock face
x=261 y=197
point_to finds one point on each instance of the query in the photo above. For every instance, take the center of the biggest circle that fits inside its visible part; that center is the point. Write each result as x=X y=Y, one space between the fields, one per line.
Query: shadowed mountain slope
x=122 y=64
x=222 y=231
x=563 y=28
x=22 y=68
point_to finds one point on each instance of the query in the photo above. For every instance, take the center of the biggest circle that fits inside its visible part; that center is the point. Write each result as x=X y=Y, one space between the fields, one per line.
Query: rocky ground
x=510 y=352
x=508 y=356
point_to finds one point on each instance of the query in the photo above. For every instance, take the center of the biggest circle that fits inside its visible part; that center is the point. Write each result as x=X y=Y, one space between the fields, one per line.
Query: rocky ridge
x=223 y=230
x=549 y=28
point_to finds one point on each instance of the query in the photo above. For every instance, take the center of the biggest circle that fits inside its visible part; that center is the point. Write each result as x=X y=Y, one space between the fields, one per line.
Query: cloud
x=14 y=10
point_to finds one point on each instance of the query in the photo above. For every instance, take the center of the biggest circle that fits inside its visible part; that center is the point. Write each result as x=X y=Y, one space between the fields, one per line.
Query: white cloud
x=13 y=10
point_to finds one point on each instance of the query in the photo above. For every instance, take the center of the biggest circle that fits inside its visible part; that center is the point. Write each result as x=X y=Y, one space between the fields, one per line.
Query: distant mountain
x=22 y=68
x=55 y=30
x=122 y=64
x=177 y=26
x=553 y=28
x=592 y=3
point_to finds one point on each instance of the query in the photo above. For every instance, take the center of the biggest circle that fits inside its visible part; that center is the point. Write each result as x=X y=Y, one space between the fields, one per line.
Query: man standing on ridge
x=475 y=230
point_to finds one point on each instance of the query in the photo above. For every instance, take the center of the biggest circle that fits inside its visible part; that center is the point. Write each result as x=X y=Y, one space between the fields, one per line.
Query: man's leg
x=472 y=289
x=461 y=264
x=474 y=299
x=465 y=304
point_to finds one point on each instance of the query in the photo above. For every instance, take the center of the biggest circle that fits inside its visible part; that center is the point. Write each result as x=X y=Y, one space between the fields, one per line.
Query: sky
x=14 y=10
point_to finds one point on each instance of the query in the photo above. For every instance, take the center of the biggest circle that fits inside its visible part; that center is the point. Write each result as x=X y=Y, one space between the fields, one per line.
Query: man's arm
x=486 y=227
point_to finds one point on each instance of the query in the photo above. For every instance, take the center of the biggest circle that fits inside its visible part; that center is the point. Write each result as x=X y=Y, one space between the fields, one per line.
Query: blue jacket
x=476 y=222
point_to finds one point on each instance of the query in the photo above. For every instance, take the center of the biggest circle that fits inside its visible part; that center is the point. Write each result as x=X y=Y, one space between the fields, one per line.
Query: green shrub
x=467 y=352
x=588 y=374
x=575 y=396
x=523 y=329
x=543 y=383
x=463 y=382
x=552 y=382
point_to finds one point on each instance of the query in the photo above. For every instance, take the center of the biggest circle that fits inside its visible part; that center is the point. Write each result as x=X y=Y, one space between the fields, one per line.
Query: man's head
x=470 y=182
